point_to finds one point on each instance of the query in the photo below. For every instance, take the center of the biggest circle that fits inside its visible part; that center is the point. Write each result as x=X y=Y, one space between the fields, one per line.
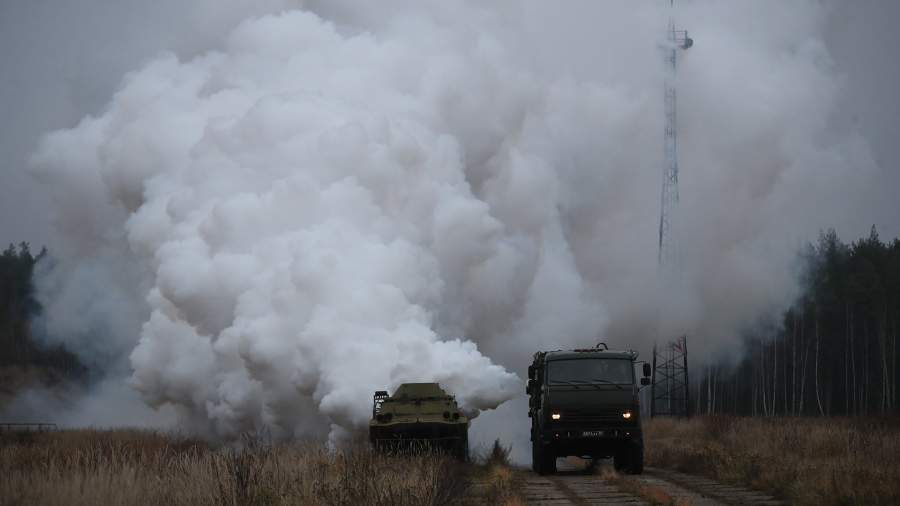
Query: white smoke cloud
x=300 y=239
x=355 y=195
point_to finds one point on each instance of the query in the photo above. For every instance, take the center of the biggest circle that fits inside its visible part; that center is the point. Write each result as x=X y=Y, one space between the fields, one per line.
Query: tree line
x=18 y=307
x=834 y=352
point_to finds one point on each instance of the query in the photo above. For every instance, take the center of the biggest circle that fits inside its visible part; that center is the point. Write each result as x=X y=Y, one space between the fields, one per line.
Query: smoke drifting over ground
x=346 y=197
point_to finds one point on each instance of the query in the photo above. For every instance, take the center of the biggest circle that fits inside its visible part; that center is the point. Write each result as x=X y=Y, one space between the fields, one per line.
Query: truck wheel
x=542 y=461
x=537 y=457
x=549 y=463
x=619 y=460
x=630 y=460
x=637 y=459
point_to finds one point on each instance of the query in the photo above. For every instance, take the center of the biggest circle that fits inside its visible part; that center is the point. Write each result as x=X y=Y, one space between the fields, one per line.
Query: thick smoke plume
x=352 y=195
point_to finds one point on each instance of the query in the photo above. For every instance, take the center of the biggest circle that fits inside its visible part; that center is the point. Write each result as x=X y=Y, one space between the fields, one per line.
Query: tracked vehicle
x=419 y=417
x=584 y=403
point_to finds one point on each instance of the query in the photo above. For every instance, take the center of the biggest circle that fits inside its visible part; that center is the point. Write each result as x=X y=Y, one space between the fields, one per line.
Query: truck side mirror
x=531 y=372
x=647 y=370
x=529 y=386
x=645 y=381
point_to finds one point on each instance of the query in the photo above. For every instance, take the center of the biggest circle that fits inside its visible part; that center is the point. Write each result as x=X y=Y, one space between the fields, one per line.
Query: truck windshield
x=590 y=370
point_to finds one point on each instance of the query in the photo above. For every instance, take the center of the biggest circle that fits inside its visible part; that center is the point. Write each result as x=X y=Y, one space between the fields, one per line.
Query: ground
x=706 y=460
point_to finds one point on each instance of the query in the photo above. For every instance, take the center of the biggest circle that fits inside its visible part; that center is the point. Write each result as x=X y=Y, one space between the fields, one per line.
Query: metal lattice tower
x=675 y=40
x=669 y=392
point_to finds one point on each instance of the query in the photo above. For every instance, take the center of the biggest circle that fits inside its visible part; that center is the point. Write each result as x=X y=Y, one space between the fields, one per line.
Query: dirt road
x=575 y=484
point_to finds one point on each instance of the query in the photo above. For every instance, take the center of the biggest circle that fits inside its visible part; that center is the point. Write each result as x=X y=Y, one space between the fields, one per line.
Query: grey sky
x=60 y=61
x=864 y=39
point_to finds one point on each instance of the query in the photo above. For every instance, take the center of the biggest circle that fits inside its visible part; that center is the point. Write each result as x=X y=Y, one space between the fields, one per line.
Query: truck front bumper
x=596 y=442
x=591 y=433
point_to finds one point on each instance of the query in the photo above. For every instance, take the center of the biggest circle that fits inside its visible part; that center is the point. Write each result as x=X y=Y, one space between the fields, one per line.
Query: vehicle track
x=576 y=484
x=574 y=490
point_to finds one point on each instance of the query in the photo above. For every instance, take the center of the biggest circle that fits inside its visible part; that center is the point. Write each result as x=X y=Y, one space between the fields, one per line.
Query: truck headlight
x=626 y=415
x=555 y=416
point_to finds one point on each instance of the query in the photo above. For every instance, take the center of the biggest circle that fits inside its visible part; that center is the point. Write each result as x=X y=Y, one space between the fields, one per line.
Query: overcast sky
x=63 y=60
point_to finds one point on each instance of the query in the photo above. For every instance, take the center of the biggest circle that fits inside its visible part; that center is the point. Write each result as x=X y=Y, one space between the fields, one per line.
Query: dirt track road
x=575 y=485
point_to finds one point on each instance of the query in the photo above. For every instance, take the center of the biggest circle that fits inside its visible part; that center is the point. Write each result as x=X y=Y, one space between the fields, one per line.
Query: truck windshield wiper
x=570 y=383
x=598 y=380
x=590 y=383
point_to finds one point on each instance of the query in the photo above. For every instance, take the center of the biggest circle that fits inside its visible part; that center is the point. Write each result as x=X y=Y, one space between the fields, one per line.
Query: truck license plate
x=592 y=433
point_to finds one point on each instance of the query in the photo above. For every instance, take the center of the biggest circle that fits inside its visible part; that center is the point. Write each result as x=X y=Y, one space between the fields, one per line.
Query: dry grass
x=135 y=467
x=803 y=460
x=497 y=482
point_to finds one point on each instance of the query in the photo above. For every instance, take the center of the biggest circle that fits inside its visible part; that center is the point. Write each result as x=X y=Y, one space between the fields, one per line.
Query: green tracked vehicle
x=419 y=416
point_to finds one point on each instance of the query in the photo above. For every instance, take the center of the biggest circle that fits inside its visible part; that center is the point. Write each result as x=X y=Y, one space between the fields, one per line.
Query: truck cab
x=584 y=403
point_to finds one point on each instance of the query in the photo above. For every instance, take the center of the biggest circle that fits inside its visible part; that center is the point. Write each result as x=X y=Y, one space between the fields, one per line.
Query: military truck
x=584 y=403
x=419 y=416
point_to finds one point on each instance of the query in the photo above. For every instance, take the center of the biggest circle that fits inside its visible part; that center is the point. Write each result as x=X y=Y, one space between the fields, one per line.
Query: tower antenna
x=676 y=40
x=670 y=392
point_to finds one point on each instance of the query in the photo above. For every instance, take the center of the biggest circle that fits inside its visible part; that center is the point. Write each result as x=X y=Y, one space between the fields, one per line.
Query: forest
x=22 y=360
x=834 y=352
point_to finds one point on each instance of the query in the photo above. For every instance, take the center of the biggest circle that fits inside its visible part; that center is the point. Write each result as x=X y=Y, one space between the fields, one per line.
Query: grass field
x=144 y=468
x=803 y=460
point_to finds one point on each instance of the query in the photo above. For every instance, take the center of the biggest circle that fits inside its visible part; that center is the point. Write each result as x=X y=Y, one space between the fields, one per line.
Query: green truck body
x=584 y=403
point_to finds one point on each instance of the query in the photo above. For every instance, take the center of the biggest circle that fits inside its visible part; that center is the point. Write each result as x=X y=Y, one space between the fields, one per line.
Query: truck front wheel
x=537 y=457
x=630 y=459
x=543 y=461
